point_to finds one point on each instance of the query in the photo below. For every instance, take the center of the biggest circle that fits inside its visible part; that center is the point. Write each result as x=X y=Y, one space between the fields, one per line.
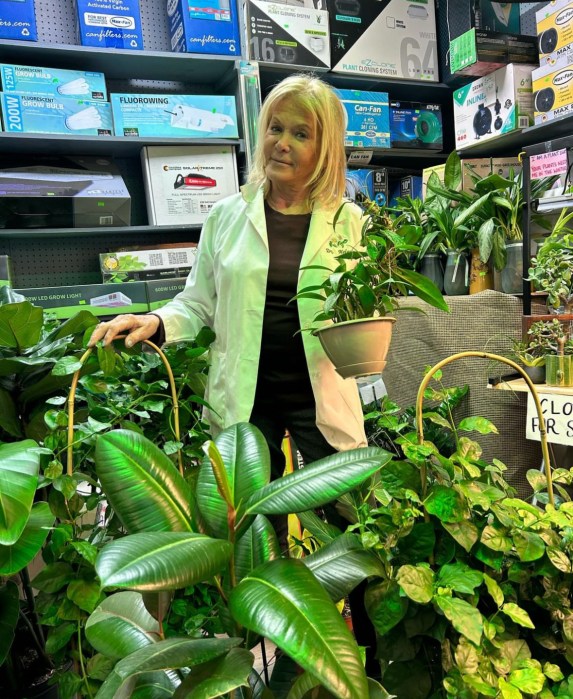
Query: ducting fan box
x=62 y=191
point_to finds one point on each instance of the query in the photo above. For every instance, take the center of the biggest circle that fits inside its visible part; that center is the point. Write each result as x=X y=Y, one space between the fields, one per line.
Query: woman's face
x=290 y=146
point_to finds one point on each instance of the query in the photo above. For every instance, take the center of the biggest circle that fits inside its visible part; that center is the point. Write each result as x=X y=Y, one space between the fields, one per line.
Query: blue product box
x=204 y=26
x=183 y=116
x=18 y=20
x=368 y=118
x=31 y=80
x=416 y=125
x=110 y=23
x=367 y=184
x=44 y=114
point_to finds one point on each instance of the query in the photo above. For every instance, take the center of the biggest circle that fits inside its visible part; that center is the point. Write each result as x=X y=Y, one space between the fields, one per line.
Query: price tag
x=547 y=164
x=360 y=157
x=558 y=415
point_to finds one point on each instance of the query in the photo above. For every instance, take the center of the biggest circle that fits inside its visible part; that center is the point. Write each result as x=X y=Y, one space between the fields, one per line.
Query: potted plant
x=360 y=294
x=552 y=338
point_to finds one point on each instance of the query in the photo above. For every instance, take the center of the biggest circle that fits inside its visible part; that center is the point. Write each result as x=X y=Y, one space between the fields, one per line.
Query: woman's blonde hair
x=326 y=184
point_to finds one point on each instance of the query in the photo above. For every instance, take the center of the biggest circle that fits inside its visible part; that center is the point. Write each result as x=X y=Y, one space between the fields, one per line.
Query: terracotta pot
x=481 y=277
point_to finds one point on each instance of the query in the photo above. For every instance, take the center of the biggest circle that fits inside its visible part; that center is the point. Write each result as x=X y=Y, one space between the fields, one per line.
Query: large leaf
x=121 y=625
x=423 y=287
x=246 y=459
x=9 y=417
x=283 y=601
x=318 y=483
x=257 y=545
x=16 y=557
x=161 y=560
x=465 y=619
x=170 y=654
x=218 y=677
x=19 y=467
x=385 y=604
x=342 y=564
x=142 y=484
x=20 y=325
x=9 y=608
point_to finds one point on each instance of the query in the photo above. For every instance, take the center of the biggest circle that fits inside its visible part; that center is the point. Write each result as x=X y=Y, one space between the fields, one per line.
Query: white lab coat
x=226 y=291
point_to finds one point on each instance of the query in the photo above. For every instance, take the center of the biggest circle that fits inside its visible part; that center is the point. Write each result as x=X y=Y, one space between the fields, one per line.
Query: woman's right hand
x=135 y=327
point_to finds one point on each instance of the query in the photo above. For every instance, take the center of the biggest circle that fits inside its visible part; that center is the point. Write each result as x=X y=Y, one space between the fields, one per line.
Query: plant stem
x=81 y=657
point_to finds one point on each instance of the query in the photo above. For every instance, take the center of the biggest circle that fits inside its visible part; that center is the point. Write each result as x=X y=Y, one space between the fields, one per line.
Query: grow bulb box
x=18 y=20
x=32 y=80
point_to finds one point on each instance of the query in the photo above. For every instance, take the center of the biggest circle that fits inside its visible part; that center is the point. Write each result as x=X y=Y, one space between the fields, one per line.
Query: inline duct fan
x=482 y=121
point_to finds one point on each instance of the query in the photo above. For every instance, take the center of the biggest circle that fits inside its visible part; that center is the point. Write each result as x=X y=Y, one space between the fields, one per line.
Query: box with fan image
x=367 y=184
x=367 y=118
x=204 y=26
x=415 y=125
x=554 y=28
x=493 y=105
x=18 y=20
x=553 y=90
x=32 y=80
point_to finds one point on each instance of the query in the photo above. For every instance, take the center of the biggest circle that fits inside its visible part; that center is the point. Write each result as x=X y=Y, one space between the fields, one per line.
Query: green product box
x=479 y=52
x=5 y=271
x=160 y=291
x=100 y=299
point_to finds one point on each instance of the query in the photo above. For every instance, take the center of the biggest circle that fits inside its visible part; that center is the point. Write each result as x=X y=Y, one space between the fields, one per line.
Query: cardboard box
x=427 y=172
x=416 y=125
x=367 y=184
x=100 y=299
x=18 y=20
x=64 y=115
x=62 y=191
x=204 y=26
x=180 y=116
x=368 y=118
x=31 y=80
x=109 y=23
x=146 y=264
x=161 y=292
x=287 y=34
x=183 y=182
x=392 y=39
x=554 y=27
x=553 y=90
x=493 y=105
x=480 y=52
x=481 y=167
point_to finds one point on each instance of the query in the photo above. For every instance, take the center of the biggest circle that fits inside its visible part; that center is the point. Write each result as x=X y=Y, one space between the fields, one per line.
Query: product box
x=415 y=125
x=368 y=118
x=554 y=27
x=31 y=80
x=146 y=264
x=109 y=23
x=180 y=116
x=553 y=90
x=483 y=167
x=390 y=39
x=287 y=34
x=204 y=26
x=439 y=170
x=409 y=186
x=480 y=52
x=65 y=115
x=367 y=184
x=493 y=105
x=100 y=299
x=160 y=292
x=183 y=182
x=62 y=191
x=18 y=20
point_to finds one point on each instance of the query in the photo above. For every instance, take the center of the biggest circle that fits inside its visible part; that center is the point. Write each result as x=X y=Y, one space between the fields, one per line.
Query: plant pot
x=535 y=373
x=357 y=347
x=431 y=267
x=559 y=370
x=512 y=273
x=456 y=275
x=481 y=277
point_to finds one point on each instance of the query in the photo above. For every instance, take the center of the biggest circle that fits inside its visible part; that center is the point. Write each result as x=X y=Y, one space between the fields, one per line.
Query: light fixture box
x=553 y=90
x=204 y=26
x=388 y=39
x=143 y=264
x=161 y=291
x=182 y=183
x=554 y=29
x=416 y=125
x=18 y=20
x=109 y=24
x=287 y=34
x=33 y=80
x=493 y=105
x=367 y=118
x=61 y=192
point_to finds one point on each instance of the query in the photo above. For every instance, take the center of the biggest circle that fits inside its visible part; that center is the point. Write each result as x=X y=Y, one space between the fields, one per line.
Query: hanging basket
x=357 y=347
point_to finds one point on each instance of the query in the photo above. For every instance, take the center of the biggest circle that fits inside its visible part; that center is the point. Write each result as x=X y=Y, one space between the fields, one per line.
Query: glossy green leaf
x=154 y=685
x=84 y=594
x=318 y=483
x=459 y=577
x=9 y=608
x=317 y=527
x=161 y=560
x=218 y=677
x=141 y=483
x=495 y=591
x=19 y=468
x=508 y=691
x=445 y=503
x=20 y=325
x=417 y=582
x=257 y=545
x=385 y=605
x=423 y=287
x=478 y=424
x=528 y=545
x=9 y=417
x=59 y=636
x=53 y=577
x=529 y=680
x=120 y=625
x=465 y=619
x=464 y=532
x=16 y=557
x=517 y=614
x=283 y=601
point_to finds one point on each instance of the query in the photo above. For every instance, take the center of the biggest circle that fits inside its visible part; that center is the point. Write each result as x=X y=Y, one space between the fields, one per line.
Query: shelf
x=97 y=145
x=519 y=386
x=408 y=158
x=49 y=233
x=204 y=69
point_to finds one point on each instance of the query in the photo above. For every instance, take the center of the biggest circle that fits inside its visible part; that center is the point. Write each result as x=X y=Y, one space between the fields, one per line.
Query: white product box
x=18 y=20
x=183 y=116
x=367 y=118
x=390 y=39
x=183 y=182
x=114 y=263
x=554 y=27
x=109 y=23
x=553 y=90
x=204 y=26
x=287 y=34
x=32 y=80
x=493 y=105
x=44 y=114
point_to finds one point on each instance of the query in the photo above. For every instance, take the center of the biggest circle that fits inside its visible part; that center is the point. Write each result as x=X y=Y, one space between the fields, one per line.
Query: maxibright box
x=493 y=105
x=182 y=116
x=391 y=39
x=368 y=118
x=18 y=20
x=32 y=80
x=182 y=183
x=416 y=125
x=109 y=23
x=204 y=26
x=63 y=115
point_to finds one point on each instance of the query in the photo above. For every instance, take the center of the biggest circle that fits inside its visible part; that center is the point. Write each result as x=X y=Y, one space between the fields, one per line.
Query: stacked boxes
x=18 y=20
x=109 y=23
x=204 y=26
